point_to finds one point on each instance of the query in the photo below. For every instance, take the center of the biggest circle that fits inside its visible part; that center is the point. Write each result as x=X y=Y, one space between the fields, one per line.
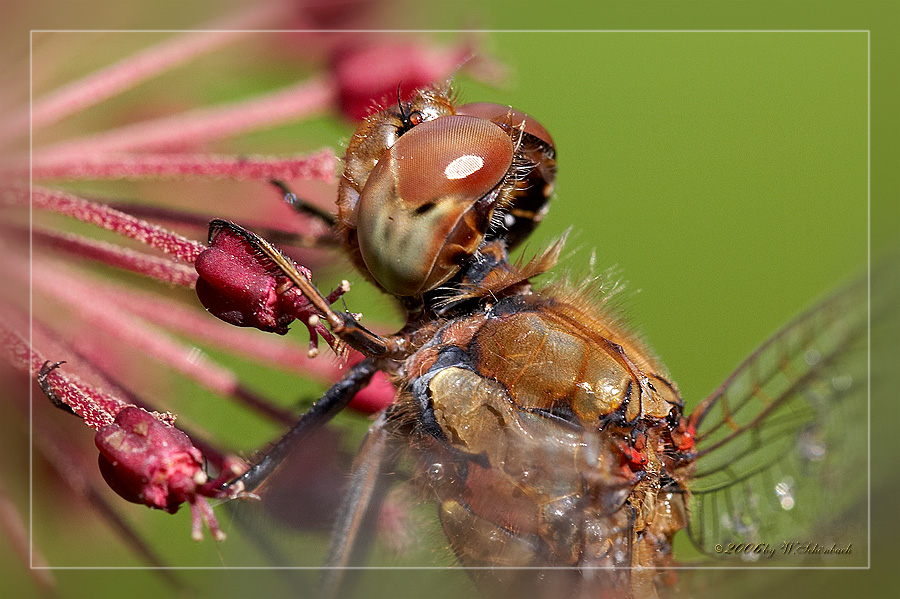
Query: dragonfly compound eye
x=534 y=145
x=427 y=204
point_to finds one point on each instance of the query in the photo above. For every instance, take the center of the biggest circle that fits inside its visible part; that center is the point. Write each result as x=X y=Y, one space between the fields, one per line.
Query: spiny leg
x=324 y=409
x=302 y=206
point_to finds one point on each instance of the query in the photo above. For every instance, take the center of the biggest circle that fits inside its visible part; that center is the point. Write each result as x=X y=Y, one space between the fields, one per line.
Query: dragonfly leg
x=302 y=206
x=355 y=525
x=324 y=409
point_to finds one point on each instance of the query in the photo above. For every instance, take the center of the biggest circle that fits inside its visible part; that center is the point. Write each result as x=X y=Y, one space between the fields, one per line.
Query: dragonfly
x=535 y=444
x=554 y=446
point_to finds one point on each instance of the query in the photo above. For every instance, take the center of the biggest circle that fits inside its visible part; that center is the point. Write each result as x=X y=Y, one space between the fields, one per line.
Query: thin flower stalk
x=318 y=166
x=196 y=127
x=180 y=248
x=160 y=269
x=157 y=59
x=290 y=239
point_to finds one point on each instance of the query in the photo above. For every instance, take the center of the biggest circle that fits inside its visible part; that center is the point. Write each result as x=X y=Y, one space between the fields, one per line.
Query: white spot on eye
x=463 y=166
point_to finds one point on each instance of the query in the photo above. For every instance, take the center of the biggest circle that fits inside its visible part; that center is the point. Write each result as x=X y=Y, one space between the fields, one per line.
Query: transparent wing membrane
x=782 y=445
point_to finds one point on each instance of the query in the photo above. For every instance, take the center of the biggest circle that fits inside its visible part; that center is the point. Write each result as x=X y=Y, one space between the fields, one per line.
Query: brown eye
x=428 y=202
x=452 y=156
x=535 y=146
x=506 y=116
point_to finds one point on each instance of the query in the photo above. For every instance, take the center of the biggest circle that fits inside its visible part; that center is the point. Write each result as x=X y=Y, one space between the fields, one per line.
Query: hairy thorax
x=548 y=434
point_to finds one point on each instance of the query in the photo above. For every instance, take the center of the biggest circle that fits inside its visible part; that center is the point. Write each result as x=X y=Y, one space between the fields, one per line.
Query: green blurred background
x=723 y=174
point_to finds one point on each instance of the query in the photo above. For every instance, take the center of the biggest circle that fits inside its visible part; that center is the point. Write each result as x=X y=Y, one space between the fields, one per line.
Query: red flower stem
x=173 y=216
x=105 y=217
x=161 y=57
x=157 y=268
x=94 y=406
x=196 y=127
x=318 y=166
x=93 y=308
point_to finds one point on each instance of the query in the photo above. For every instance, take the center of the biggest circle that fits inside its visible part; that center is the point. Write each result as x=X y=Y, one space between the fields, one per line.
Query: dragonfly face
x=426 y=184
x=553 y=444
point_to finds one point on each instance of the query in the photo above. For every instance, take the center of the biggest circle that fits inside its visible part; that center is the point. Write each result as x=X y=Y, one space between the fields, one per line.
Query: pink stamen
x=181 y=248
x=162 y=57
x=318 y=166
x=190 y=129
x=275 y=232
x=155 y=267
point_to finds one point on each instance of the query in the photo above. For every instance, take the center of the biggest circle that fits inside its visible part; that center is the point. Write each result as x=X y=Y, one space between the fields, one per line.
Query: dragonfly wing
x=782 y=445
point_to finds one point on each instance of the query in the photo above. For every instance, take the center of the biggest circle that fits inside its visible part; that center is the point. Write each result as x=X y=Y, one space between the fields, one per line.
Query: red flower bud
x=243 y=287
x=236 y=286
x=368 y=74
x=147 y=462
